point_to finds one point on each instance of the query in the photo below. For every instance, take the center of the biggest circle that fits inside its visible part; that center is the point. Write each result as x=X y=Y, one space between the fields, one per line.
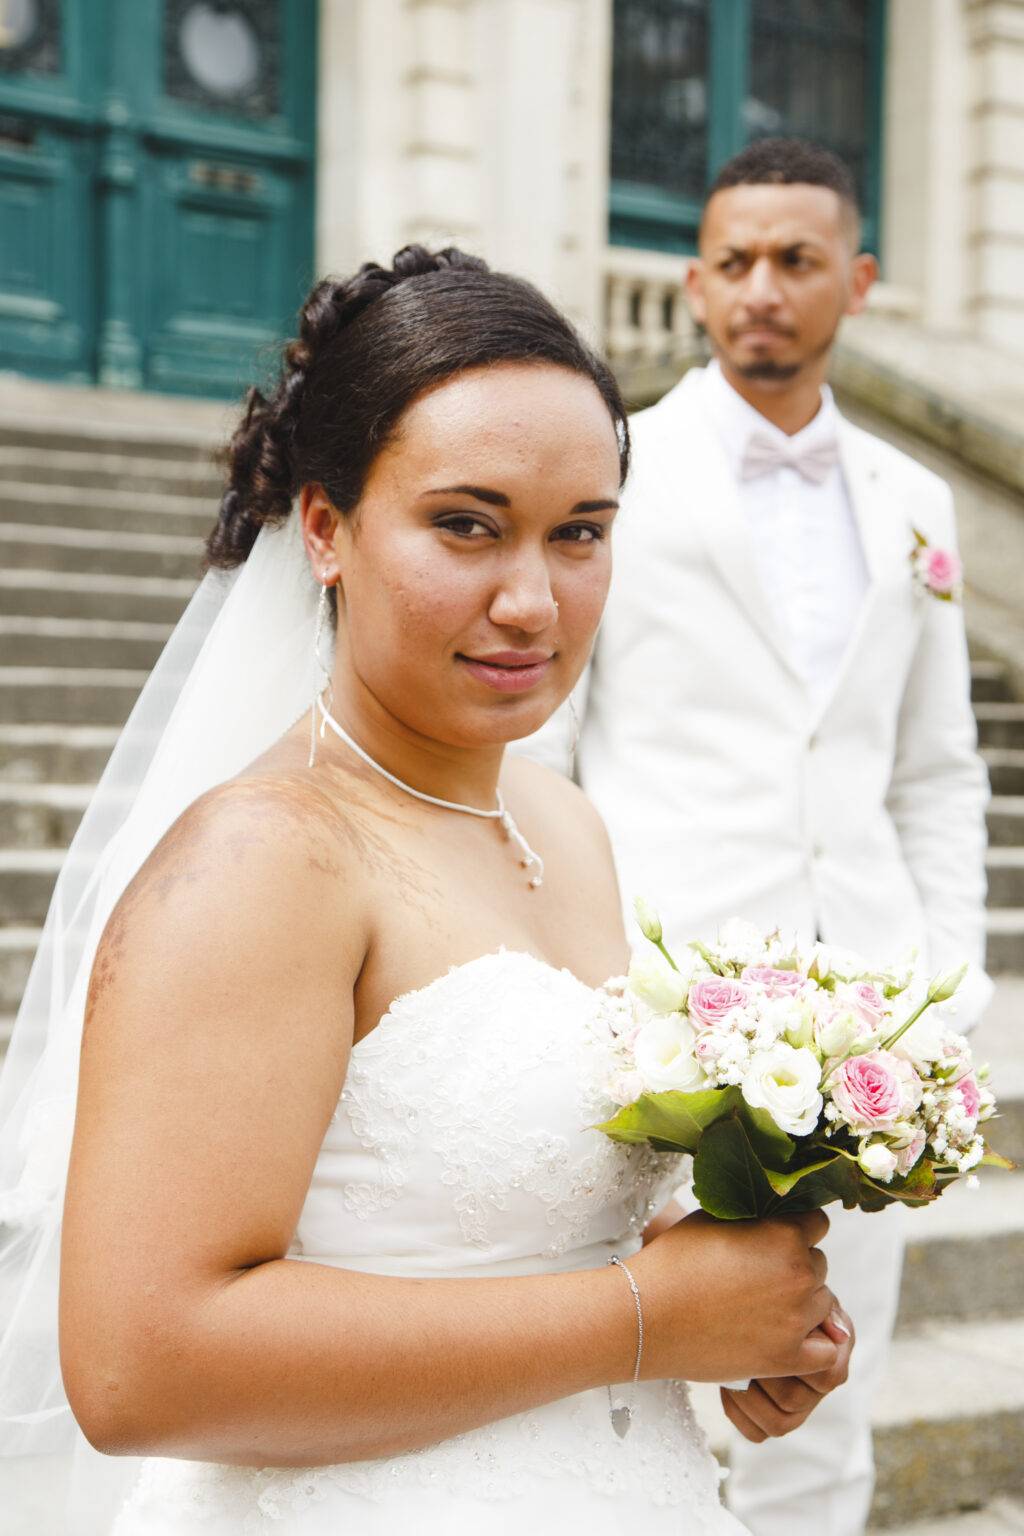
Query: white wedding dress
x=463 y=1145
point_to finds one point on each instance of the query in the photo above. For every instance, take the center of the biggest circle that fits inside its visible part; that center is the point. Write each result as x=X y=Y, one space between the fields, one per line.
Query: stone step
x=1005 y=867
x=948 y=1421
x=1000 y=725
x=1005 y=943
x=1002 y=1517
x=27 y=877
x=965 y=1254
x=71 y=506
x=24 y=465
x=990 y=682
x=996 y=1043
x=41 y=815
x=17 y=949
x=114 y=434
x=1006 y=821
x=68 y=695
x=1005 y=769
x=54 y=753
x=46 y=548
x=28 y=642
x=66 y=594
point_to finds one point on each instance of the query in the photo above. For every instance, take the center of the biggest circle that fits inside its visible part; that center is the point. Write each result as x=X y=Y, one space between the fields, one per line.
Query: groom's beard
x=768 y=369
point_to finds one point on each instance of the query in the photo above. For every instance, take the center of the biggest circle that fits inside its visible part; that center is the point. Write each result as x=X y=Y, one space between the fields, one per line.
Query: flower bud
x=650 y=923
x=878 y=1161
x=943 y=986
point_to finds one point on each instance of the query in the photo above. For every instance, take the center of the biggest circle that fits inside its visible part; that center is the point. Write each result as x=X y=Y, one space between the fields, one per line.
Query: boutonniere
x=936 y=571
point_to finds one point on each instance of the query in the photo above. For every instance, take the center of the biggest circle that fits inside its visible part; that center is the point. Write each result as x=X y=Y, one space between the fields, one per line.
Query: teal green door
x=156 y=187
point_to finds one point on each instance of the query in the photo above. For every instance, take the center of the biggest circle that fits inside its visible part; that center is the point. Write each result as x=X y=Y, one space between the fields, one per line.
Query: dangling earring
x=324 y=683
x=575 y=738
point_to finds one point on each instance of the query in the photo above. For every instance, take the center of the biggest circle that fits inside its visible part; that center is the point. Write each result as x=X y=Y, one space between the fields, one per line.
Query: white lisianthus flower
x=626 y=1087
x=664 y=1055
x=878 y=1161
x=923 y=1042
x=785 y=1081
x=657 y=984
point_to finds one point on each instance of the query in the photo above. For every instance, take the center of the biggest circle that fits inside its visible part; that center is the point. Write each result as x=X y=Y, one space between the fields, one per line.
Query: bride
x=337 y=1232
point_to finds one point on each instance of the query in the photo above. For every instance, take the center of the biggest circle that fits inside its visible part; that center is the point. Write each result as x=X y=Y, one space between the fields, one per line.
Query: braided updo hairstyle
x=367 y=347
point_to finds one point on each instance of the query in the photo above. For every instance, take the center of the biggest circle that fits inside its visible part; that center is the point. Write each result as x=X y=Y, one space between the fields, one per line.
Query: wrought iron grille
x=808 y=75
x=660 y=94
x=692 y=82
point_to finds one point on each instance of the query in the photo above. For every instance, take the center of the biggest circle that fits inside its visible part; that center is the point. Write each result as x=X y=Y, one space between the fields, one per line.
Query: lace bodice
x=463 y=1136
x=463 y=1144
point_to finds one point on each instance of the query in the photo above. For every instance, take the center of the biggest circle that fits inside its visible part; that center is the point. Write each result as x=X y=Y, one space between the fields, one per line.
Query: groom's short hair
x=787 y=162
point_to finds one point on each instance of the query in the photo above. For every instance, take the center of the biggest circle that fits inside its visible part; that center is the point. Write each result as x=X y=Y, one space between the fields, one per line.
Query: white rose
x=837 y=1032
x=923 y=1042
x=878 y=1161
x=786 y=1082
x=664 y=1055
x=626 y=1087
x=657 y=984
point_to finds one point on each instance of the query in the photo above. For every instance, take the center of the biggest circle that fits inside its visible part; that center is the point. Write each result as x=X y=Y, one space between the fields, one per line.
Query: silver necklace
x=529 y=859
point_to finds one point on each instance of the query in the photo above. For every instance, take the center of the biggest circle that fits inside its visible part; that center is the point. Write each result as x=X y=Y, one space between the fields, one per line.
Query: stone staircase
x=100 y=542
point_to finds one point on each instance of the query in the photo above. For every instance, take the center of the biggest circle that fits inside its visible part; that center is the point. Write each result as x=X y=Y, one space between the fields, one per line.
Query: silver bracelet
x=622 y=1416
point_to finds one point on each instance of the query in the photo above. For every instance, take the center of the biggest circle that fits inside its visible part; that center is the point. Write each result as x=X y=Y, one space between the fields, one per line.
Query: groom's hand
x=776 y=1405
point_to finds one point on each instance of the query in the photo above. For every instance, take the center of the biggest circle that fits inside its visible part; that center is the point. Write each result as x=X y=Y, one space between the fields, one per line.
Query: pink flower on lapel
x=937 y=571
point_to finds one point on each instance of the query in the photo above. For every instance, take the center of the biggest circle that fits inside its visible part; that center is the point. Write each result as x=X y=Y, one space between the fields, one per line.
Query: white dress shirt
x=806 y=543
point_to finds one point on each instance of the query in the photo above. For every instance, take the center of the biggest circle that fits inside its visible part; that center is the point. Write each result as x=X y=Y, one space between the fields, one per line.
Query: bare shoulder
x=244 y=877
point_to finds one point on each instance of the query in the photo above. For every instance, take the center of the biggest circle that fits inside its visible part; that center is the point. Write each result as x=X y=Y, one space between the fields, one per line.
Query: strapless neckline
x=430 y=989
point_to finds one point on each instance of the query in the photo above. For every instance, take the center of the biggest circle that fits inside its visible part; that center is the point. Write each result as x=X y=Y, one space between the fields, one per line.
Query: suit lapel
x=695 y=474
x=885 y=539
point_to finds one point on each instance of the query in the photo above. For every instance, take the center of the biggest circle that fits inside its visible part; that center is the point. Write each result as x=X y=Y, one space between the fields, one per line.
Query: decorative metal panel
x=660 y=94
x=224 y=55
x=809 y=75
x=30 y=37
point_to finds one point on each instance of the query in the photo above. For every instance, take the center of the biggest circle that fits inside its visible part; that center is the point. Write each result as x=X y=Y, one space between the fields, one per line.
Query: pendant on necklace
x=622 y=1418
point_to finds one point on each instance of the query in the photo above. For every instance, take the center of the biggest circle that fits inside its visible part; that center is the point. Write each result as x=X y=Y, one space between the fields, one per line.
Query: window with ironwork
x=695 y=80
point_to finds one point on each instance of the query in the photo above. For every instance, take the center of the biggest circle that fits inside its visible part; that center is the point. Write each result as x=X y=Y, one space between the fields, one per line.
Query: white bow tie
x=763 y=454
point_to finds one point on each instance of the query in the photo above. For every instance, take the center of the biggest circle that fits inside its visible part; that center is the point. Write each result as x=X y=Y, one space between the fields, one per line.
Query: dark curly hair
x=367 y=346
x=788 y=162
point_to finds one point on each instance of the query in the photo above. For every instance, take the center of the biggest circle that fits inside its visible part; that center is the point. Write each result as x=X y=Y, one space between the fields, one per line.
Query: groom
x=777 y=724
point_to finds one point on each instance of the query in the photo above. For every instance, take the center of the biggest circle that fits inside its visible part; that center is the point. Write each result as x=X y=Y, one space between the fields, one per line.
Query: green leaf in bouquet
x=674 y=1121
x=774 y=1148
x=784 y=1183
x=728 y=1180
x=994 y=1159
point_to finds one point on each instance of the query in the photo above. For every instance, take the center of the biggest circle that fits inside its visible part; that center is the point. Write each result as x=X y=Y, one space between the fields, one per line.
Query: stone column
x=478 y=122
x=925 y=148
x=996 y=52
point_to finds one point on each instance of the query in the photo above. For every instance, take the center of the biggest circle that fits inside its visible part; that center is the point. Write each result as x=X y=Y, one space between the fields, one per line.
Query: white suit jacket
x=725 y=791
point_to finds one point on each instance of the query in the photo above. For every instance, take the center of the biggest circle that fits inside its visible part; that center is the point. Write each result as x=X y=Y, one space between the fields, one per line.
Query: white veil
x=236 y=673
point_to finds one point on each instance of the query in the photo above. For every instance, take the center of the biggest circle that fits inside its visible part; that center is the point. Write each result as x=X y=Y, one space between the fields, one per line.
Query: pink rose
x=907 y=1156
x=713 y=999
x=866 y=1002
x=970 y=1098
x=943 y=570
x=868 y=1092
x=776 y=983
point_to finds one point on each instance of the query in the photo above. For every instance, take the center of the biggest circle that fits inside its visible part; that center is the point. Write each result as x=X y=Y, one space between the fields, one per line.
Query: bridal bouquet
x=793 y=1080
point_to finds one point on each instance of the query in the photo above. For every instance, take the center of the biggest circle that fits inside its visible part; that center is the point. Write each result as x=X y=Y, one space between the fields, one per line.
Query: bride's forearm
x=292 y=1363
